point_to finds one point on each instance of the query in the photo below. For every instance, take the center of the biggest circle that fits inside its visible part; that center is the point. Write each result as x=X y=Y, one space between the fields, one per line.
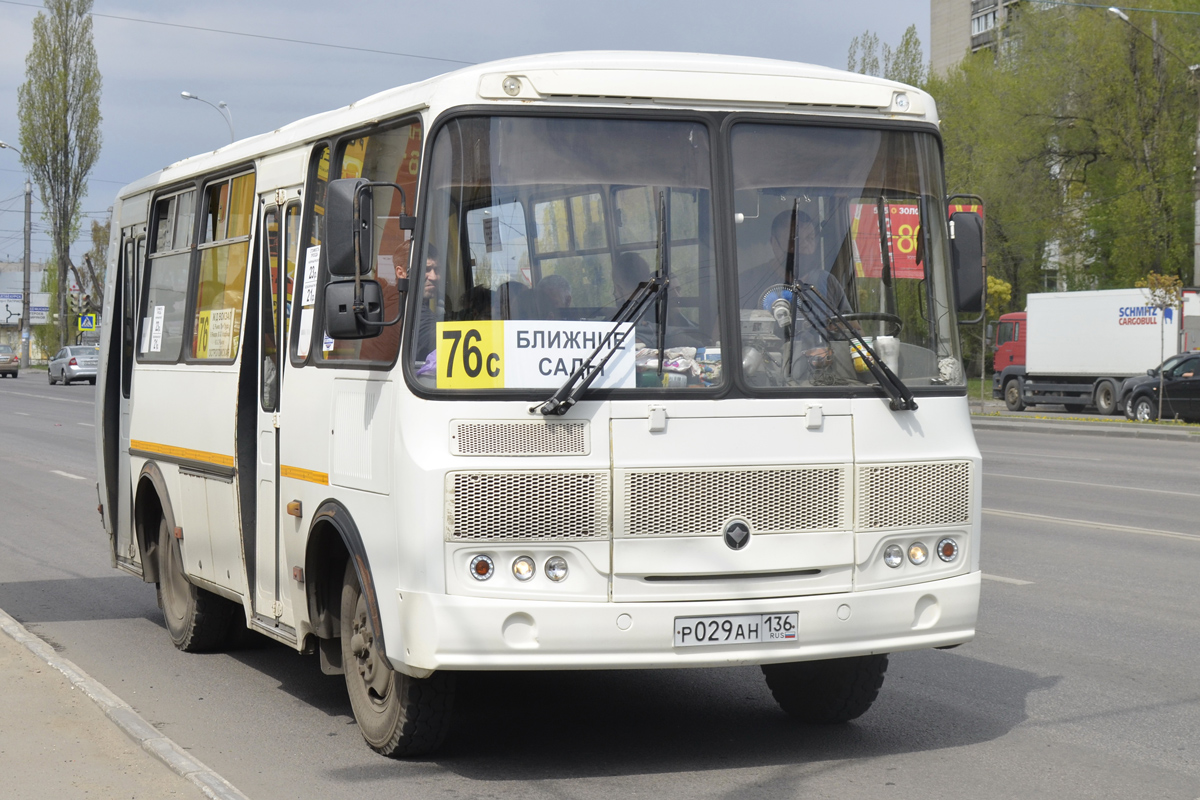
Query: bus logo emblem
x=737 y=534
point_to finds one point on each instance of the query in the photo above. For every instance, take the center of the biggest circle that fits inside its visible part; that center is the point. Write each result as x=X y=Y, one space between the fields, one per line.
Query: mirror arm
x=406 y=223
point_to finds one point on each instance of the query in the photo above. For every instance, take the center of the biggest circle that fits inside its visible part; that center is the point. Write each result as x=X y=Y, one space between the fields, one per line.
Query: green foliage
x=45 y=337
x=1078 y=132
x=904 y=64
x=59 y=112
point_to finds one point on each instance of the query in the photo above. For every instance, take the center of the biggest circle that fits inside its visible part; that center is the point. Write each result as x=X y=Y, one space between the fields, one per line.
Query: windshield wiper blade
x=899 y=395
x=577 y=383
x=663 y=246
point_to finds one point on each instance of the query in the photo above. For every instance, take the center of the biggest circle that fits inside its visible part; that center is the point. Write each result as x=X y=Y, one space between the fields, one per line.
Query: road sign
x=10 y=308
x=87 y=322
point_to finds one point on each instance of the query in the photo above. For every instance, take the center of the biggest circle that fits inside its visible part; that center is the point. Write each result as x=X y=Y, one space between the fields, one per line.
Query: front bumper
x=437 y=631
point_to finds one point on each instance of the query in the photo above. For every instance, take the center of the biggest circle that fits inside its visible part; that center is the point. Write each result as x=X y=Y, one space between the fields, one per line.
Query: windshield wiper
x=628 y=315
x=630 y=312
x=899 y=395
x=663 y=246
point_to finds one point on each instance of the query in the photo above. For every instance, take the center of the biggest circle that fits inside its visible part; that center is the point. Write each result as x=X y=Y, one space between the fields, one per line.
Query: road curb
x=1085 y=428
x=122 y=714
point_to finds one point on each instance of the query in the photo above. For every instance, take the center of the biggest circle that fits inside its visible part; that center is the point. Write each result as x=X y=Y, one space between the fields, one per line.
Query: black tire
x=398 y=716
x=1012 y=396
x=92 y=381
x=827 y=692
x=1145 y=409
x=197 y=620
x=1105 y=398
x=50 y=376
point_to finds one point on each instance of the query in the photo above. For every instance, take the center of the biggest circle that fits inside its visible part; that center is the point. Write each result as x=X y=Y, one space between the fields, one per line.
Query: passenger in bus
x=755 y=283
x=383 y=346
x=509 y=299
x=629 y=270
x=433 y=308
x=553 y=298
x=479 y=303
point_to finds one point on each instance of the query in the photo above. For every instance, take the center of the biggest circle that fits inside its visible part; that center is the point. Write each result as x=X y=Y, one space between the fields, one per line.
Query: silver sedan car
x=75 y=363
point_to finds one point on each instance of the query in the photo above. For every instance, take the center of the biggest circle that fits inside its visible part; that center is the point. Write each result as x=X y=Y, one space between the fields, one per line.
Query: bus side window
x=314 y=227
x=221 y=282
x=270 y=309
x=166 y=280
x=391 y=155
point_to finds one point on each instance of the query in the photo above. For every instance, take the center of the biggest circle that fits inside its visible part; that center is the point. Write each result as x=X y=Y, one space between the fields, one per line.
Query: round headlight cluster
x=918 y=553
x=524 y=568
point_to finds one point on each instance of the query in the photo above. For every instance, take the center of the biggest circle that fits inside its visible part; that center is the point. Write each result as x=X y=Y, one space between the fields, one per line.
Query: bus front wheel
x=398 y=715
x=827 y=692
x=197 y=620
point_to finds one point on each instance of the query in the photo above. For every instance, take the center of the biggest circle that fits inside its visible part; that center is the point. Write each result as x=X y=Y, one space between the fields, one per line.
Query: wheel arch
x=151 y=502
x=333 y=539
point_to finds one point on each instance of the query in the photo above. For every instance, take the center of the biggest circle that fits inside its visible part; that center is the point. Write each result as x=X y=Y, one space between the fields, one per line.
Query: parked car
x=1181 y=390
x=10 y=362
x=74 y=363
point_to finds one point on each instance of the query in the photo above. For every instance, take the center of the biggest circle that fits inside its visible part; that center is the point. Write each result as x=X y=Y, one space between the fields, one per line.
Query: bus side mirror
x=966 y=258
x=341 y=320
x=349 y=216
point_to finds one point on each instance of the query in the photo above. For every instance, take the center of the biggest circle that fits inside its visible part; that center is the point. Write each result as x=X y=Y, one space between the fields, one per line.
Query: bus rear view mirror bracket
x=350 y=224
x=342 y=321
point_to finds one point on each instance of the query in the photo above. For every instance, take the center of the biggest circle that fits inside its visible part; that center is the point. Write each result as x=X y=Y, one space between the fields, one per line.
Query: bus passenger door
x=133 y=246
x=279 y=241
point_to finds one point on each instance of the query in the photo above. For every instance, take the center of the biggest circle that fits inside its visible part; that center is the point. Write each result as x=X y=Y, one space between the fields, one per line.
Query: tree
x=904 y=64
x=1163 y=292
x=59 y=112
x=95 y=266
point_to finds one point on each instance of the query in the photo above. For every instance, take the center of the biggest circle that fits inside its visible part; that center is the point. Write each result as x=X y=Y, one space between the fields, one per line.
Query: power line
x=1093 y=5
x=257 y=35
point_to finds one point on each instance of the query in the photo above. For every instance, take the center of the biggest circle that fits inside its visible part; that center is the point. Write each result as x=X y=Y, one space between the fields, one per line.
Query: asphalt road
x=1083 y=681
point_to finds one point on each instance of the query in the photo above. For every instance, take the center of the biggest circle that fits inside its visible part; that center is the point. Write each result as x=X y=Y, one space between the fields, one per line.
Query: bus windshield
x=853 y=218
x=537 y=232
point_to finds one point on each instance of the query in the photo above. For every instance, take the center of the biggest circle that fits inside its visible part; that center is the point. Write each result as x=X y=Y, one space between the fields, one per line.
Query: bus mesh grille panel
x=489 y=506
x=698 y=502
x=910 y=495
x=519 y=439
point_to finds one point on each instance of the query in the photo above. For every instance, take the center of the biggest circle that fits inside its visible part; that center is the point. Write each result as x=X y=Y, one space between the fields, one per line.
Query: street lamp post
x=25 y=327
x=1194 y=72
x=221 y=107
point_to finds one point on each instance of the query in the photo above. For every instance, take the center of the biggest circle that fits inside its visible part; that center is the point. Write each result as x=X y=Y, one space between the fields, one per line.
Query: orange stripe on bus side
x=182 y=452
x=312 y=476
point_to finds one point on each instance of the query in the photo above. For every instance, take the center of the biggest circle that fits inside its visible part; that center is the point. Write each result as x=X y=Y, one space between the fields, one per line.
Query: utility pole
x=25 y=326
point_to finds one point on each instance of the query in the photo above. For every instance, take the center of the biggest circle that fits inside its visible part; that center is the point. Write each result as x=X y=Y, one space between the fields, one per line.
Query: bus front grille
x=914 y=495
x=699 y=502
x=525 y=438
x=523 y=506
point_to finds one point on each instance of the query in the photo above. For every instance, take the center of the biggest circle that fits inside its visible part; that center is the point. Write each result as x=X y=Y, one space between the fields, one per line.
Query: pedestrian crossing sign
x=87 y=322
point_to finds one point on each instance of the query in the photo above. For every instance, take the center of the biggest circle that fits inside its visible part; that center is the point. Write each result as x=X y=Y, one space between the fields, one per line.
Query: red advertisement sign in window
x=903 y=229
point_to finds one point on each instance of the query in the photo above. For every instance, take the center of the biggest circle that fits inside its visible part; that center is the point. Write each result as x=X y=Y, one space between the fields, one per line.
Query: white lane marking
x=49 y=397
x=1026 y=456
x=85 y=424
x=1086 y=483
x=68 y=475
x=21 y=414
x=1013 y=581
x=1083 y=523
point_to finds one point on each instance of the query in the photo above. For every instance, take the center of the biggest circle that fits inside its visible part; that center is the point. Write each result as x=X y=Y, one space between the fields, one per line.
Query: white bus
x=574 y=361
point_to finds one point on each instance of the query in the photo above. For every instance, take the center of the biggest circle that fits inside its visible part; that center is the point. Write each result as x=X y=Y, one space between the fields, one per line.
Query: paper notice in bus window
x=146 y=323
x=305 y=337
x=215 y=334
x=312 y=259
x=327 y=344
x=156 y=329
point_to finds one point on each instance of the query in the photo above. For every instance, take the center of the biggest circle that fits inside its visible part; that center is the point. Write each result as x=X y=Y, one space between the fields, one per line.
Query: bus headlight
x=918 y=553
x=893 y=556
x=556 y=568
x=482 y=568
x=947 y=550
x=523 y=568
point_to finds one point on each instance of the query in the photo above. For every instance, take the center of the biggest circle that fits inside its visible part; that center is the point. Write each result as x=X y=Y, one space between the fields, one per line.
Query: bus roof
x=592 y=79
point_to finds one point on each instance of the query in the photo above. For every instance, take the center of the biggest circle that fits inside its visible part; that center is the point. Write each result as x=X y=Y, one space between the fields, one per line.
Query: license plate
x=741 y=629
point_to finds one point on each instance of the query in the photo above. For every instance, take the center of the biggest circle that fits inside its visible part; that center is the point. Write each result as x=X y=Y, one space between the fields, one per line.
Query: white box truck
x=1075 y=348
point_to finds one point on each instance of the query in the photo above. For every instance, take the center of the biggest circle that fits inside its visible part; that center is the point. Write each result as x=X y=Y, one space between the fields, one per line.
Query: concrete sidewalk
x=64 y=735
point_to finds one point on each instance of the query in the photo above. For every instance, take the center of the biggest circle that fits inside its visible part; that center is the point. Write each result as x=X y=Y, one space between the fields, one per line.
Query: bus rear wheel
x=197 y=620
x=398 y=715
x=827 y=692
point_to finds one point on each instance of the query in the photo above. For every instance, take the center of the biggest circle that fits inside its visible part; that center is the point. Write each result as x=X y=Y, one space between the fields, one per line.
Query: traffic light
x=73 y=305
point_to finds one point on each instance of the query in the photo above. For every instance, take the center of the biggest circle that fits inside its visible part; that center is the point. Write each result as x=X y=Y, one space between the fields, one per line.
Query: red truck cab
x=1010 y=342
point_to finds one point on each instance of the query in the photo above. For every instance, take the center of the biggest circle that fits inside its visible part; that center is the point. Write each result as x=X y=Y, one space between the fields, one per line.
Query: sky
x=146 y=60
